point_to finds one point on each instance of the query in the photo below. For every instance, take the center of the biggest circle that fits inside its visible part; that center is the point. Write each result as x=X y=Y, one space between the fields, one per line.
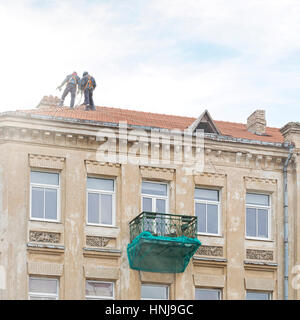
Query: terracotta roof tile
x=114 y=115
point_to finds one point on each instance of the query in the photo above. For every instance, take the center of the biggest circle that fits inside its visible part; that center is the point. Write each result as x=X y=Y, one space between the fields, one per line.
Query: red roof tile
x=115 y=115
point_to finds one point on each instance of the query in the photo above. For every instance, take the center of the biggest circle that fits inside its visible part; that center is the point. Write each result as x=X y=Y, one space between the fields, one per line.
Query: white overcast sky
x=167 y=56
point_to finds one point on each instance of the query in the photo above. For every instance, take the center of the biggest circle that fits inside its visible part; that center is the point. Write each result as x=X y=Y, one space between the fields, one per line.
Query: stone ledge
x=45 y=246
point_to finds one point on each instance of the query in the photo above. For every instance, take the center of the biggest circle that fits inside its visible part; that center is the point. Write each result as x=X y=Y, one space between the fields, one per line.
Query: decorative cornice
x=291 y=127
x=260 y=180
x=102 y=163
x=157 y=169
x=45 y=268
x=46 y=161
x=211 y=175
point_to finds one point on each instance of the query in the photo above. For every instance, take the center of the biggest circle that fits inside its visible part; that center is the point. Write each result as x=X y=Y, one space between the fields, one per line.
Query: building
x=64 y=220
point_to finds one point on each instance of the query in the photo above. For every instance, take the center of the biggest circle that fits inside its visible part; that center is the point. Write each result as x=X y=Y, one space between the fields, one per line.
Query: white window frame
x=215 y=289
x=87 y=297
x=156 y=197
x=41 y=294
x=99 y=192
x=218 y=204
x=269 y=293
x=46 y=186
x=156 y=285
x=258 y=206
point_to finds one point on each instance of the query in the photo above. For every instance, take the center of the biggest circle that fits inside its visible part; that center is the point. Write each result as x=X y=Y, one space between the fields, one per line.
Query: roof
x=148 y=119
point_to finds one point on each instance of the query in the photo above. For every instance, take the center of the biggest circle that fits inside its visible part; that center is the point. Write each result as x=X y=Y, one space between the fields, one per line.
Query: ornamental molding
x=44 y=236
x=101 y=164
x=148 y=172
x=211 y=175
x=245 y=158
x=215 y=251
x=157 y=169
x=254 y=254
x=45 y=268
x=260 y=180
x=97 y=241
x=46 y=161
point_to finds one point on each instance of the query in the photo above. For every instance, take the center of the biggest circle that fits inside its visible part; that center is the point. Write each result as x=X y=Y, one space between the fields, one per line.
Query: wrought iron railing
x=163 y=224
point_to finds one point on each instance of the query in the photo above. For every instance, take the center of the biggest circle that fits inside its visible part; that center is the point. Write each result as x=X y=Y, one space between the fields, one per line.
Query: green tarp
x=161 y=254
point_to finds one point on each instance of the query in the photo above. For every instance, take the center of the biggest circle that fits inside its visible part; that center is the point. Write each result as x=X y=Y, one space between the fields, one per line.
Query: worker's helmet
x=85 y=73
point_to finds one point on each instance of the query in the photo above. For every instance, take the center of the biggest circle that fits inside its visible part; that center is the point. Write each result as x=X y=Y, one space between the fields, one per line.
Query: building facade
x=65 y=213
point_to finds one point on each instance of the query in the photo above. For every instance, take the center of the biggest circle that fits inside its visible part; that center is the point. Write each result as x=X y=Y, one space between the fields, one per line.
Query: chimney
x=256 y=122
x=48 y=102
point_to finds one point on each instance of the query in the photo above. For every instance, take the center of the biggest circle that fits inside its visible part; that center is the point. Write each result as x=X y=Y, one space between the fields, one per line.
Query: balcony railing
x=163 y=225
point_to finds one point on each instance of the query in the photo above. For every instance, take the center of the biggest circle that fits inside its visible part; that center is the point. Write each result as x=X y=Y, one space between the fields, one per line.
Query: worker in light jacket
x=88 y=85
x=72 y=81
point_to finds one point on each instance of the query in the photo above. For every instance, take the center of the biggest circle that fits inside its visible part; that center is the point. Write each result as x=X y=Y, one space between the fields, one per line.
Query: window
x=258 y=216
x=43 y=289
x=99 y=290
x=100 y=201
x=45 y=194
x=154 y=292
x=155 y=199
x=207 y=209
x=208 y=294
x=258 y=295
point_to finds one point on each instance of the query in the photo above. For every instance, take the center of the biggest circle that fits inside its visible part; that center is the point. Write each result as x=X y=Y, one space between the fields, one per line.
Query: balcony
x=162 y=242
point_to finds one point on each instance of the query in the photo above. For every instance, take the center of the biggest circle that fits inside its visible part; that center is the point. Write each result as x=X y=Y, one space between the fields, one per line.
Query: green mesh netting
x=161 y=254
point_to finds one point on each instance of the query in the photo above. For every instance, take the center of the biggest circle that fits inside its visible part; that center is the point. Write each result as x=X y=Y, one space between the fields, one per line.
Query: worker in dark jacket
x=88 y=85
x=72 y=81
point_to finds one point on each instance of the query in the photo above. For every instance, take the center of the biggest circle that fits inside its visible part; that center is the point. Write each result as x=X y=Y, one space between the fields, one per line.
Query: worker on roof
x=72 y=81
x=88 y=85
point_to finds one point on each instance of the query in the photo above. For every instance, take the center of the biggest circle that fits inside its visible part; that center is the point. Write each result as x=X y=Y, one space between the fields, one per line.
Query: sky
x=179 y=57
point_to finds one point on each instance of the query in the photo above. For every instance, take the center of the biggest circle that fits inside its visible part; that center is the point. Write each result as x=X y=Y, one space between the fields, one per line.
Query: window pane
x=207 y=294
x=201 y=214
x=93 y=208
x=42 y=285
x=160 y=205
x=206 y=194
x=262 y=223
x=154 y=292
x=259 y=199
x=257 y=295
x=37 y=203
x=100 y=184
x=101 y=289
x=159 y=189
x=106 y=209
x=212 y=218
x=51 y=204
x=44 y=178
x=147 y=204
x=251 y=222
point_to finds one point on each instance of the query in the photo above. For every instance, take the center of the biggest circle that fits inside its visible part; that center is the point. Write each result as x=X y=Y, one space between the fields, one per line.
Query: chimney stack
x=256 y=122
x=48 y=102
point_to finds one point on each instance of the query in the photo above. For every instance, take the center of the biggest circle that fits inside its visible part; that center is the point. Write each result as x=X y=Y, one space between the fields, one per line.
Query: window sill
x=259 y=239
x=46 y=221
x=102 y=225
x=210 y=235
